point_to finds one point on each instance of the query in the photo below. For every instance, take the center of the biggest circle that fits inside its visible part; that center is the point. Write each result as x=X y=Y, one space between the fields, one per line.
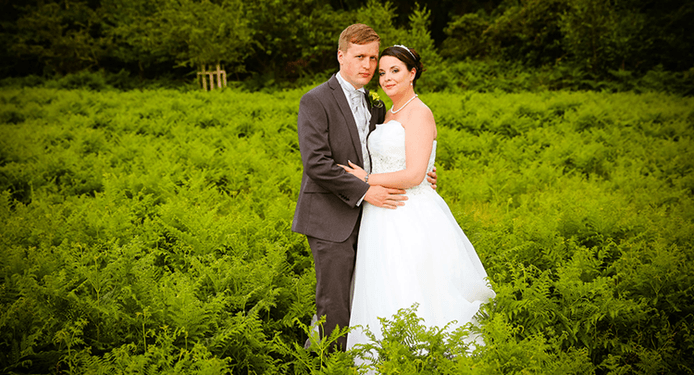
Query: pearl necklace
x=404 y=105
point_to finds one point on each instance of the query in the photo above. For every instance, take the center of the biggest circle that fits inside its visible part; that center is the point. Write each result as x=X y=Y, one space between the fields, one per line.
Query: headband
x=407 y=49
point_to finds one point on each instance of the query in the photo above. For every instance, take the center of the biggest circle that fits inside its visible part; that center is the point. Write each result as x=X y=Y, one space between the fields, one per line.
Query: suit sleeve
x=318 y=157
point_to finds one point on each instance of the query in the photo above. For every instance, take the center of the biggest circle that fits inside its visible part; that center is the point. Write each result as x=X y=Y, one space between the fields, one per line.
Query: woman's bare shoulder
x=421 y=112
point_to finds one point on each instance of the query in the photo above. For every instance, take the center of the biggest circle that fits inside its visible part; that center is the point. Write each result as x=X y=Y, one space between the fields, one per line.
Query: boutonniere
x=374 y=100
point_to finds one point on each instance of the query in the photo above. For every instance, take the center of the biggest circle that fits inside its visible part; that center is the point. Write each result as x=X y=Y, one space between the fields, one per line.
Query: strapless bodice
x=387 y=149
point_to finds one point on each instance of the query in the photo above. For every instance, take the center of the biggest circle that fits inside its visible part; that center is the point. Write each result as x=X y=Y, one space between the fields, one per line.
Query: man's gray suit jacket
x=327 y=205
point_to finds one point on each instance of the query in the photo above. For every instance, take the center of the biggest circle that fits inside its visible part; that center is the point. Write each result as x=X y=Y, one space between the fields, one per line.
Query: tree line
x=272 y=42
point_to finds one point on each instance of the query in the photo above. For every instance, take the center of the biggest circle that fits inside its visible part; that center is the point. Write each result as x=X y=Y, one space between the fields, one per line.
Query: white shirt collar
x=346 y=86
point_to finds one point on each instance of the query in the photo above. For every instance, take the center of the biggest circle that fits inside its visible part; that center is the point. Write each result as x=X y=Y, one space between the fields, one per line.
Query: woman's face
x=393 y=75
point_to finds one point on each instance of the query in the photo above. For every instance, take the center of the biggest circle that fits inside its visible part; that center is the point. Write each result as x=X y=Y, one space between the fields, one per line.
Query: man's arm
x=321 y=167
x=432 y=178
x=380 y=196
x=317 y=155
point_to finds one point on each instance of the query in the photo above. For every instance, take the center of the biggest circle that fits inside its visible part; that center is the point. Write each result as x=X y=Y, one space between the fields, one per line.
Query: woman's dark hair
x=408 y=56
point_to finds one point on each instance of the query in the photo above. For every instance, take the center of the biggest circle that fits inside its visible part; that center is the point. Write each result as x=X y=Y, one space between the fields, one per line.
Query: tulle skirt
x=416 y=253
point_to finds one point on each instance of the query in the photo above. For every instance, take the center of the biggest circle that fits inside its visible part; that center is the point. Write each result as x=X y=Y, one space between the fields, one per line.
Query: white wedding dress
x=416 y=253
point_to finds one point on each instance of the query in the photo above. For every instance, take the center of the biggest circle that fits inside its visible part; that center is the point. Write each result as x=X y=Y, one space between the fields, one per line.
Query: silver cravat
x=362 y=117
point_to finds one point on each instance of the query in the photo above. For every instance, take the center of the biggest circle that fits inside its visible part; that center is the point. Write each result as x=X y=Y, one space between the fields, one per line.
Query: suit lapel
x=343 y=104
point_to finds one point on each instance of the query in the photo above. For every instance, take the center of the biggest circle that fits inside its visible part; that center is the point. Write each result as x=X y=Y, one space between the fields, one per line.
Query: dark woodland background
x=557 y=44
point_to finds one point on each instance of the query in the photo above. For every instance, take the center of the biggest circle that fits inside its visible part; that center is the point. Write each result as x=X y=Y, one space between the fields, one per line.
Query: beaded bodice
x=387 y=149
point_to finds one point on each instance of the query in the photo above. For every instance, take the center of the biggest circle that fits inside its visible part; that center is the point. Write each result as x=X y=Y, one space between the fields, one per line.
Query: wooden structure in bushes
x=218 y=76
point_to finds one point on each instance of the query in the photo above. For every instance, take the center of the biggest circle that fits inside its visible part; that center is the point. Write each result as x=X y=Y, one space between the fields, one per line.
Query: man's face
x=358 y=63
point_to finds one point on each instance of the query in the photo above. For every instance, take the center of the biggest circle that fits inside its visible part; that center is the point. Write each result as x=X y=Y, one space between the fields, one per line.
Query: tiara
x=407 y=49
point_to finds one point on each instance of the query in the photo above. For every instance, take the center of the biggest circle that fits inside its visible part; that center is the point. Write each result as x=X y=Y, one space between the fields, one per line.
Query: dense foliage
x=149 y=232
x=268 y=43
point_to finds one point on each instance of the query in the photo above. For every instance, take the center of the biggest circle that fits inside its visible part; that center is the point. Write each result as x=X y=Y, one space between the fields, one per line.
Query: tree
x=467 y=37
x=203 y=32
x=381 y=17
x=132 y=26
x=64 y=36
x=602 y=37
x=294 y=39
x=188 y=33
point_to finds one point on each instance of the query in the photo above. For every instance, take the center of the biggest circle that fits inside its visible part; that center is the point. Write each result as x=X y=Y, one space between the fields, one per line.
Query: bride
x=416 y=253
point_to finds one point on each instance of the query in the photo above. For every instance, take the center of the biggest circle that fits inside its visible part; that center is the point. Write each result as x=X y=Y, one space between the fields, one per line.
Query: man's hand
x=431 y=177
x=383 y=197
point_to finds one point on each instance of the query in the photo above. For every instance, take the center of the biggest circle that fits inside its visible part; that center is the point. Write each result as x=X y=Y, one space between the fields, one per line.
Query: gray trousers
x=334 y=262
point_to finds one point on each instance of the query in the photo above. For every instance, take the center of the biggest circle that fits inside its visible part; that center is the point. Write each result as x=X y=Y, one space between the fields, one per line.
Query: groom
x=334 y=121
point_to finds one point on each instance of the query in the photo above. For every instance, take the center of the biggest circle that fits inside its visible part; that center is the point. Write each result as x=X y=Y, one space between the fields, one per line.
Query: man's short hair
x=357 y=34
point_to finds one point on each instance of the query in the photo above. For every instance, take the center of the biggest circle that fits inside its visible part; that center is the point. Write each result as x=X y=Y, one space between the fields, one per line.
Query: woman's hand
x=355 y=170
